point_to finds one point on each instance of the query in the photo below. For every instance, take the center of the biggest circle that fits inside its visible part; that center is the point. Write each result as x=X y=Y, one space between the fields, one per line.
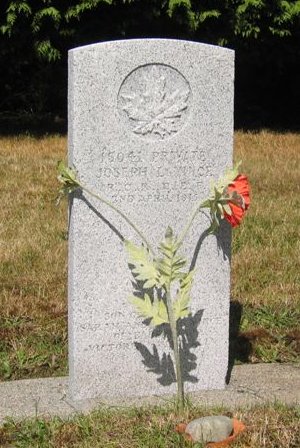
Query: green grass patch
x=267 y=426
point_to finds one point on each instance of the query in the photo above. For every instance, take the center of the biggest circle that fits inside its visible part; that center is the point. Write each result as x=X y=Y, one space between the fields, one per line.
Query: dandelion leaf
x=181 y=303
x=156 y=310
x=169 y=266
x=144 y=267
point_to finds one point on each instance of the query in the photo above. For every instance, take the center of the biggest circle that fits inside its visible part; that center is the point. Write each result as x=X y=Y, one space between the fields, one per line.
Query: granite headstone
x=150 y=124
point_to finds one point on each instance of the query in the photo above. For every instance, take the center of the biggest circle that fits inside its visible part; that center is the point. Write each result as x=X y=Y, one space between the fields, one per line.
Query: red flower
x=238 y=207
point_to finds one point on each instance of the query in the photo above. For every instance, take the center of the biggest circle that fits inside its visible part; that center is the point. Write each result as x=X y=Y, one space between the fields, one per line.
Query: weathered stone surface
x=150 y=123
x=210 y=429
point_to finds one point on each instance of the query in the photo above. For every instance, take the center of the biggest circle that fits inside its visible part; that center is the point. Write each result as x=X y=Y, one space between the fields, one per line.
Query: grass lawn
x=267 y=427
x=33 y=261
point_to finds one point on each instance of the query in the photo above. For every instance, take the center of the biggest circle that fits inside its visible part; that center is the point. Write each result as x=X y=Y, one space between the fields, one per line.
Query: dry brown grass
x=266 y=262
x=33 y=260
x=270 y=427
x=273 y=426
x=266 y=265
x=32 y=228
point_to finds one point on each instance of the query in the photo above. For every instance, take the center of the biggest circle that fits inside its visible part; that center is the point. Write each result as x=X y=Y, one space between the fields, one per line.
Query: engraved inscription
x=100 y=347
x=154 y=99
x=178 y=175
x=107 y=335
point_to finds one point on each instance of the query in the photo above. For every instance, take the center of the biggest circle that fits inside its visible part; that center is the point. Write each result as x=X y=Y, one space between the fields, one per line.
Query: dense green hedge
x=36 y=34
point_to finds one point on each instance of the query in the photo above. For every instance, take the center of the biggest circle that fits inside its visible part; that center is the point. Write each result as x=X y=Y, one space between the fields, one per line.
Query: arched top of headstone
x=180 y=43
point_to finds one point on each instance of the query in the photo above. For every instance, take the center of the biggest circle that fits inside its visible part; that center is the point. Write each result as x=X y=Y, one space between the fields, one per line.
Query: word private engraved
x=154 y=99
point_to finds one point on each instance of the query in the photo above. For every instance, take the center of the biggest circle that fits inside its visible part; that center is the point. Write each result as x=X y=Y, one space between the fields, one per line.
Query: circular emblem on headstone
x=154 y=100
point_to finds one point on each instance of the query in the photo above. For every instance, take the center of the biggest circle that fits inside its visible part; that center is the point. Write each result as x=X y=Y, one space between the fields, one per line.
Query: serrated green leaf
x=181 y=303
x=68 y=178
x=170 y=264
x=144 y=266
x=187 y=281
x=143 y=306
x=155 y=311
x=181 y=306
x=178 y=262
x=160 y=313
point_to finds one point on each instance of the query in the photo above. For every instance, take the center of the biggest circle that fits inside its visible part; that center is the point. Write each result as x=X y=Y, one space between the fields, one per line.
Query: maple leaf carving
x=155 y=109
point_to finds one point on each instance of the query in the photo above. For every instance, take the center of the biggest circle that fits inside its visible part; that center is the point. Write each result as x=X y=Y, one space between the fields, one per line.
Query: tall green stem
x=190 y=222
x=112 y=206
x=173 y=325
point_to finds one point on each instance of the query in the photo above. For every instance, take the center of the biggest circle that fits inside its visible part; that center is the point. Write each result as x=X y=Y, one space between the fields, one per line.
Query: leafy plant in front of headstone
x=161 y=274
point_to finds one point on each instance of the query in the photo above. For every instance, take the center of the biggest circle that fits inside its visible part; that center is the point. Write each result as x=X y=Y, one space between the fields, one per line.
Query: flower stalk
x=68 y=178
x=117 y=210
x=176 y=351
